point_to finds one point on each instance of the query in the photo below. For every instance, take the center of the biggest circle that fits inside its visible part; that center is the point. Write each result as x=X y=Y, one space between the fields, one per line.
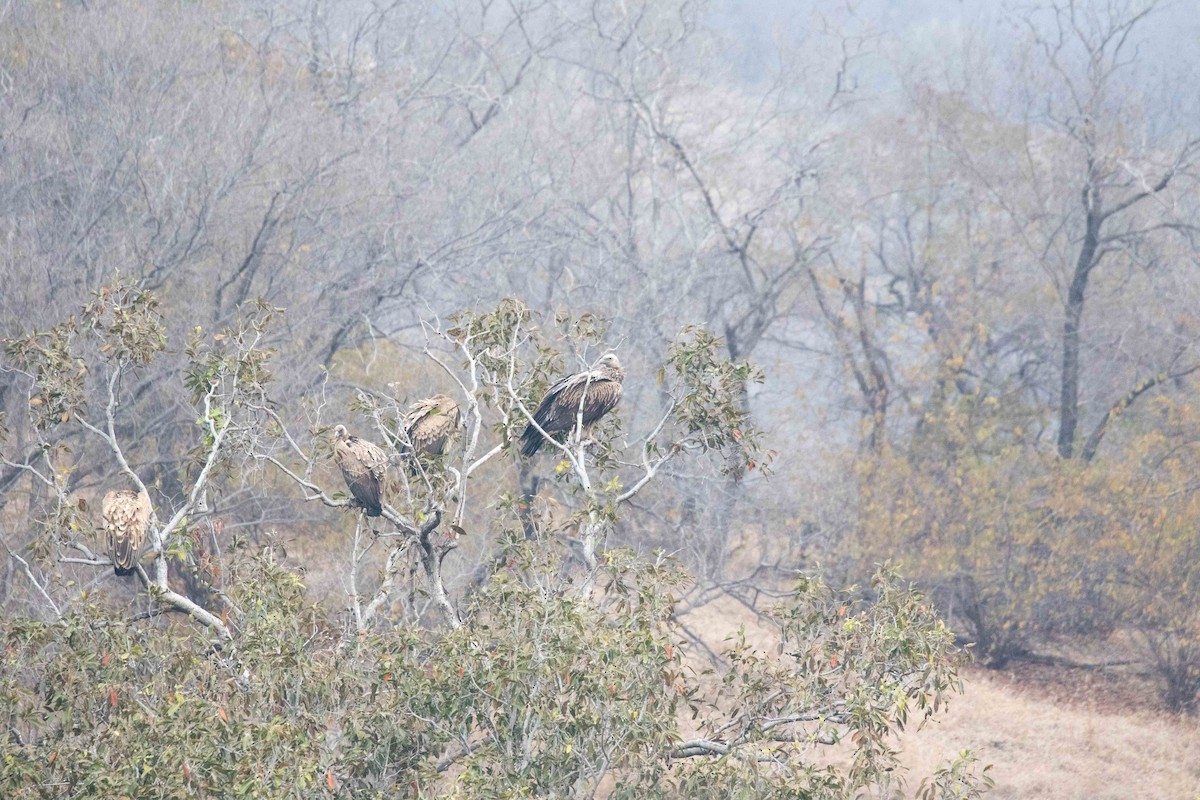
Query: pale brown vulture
x=364 y=466
x=596 y=392
x=126 y=517
x=429 y=426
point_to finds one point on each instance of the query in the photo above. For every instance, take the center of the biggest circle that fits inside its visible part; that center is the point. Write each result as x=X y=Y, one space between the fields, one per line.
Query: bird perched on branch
x=126 y=516
x=364 y=466
x=594 y=392
x=429 y=426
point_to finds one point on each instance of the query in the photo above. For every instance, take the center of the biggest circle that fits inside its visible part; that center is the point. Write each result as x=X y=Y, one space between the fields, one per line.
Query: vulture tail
x=531 y=441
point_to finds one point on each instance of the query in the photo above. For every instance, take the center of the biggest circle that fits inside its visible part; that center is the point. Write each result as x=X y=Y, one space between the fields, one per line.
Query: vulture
x=595 y=392
x=364 y=466
x=126 y=516
x=429 y=425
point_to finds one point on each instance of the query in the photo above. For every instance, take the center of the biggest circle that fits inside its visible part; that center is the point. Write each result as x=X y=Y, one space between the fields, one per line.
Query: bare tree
x=505 y=360
x=1096 y=185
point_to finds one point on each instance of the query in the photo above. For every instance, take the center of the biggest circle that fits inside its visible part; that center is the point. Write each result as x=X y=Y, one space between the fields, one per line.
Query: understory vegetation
x=557 y=669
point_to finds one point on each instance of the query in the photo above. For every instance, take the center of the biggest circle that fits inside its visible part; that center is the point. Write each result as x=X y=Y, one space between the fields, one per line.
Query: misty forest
x=599 y=398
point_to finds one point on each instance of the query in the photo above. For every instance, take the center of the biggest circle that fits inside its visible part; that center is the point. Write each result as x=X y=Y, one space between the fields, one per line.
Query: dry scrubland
x=931 y=265
x=1049 y=731
x=1043 y=747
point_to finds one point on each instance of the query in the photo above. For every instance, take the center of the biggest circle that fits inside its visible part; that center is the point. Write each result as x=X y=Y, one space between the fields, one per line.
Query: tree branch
x=1116 y=409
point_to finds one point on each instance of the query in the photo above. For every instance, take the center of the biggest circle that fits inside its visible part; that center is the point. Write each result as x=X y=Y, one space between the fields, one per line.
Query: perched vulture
x=429 y=425
x=596 y=392
x=126 y=516
x=364 y=467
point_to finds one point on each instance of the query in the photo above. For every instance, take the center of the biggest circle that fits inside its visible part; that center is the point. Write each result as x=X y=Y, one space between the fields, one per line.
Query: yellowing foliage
x=1018 y=542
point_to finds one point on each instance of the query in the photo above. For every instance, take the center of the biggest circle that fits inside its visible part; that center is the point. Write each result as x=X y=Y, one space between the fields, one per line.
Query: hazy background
x=960 y=237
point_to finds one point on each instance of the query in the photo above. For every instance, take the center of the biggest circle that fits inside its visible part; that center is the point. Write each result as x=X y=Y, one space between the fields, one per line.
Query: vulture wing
x=597 y=392
x=595 y=399
x=126 y=517
x=363 y=466
x=430 y=424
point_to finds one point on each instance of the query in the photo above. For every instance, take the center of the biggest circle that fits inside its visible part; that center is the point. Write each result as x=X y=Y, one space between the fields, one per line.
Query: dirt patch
x=1102 y=675
x=1126 y=689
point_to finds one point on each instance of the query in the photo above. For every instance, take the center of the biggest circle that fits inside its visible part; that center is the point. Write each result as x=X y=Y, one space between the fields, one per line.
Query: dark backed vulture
x=595 y=392
x=429 y=426
x=364 y=466
x=126 y=516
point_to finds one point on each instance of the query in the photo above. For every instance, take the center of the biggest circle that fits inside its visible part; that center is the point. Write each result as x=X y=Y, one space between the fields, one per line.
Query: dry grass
x=1048 y=732
x=1045 y=749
